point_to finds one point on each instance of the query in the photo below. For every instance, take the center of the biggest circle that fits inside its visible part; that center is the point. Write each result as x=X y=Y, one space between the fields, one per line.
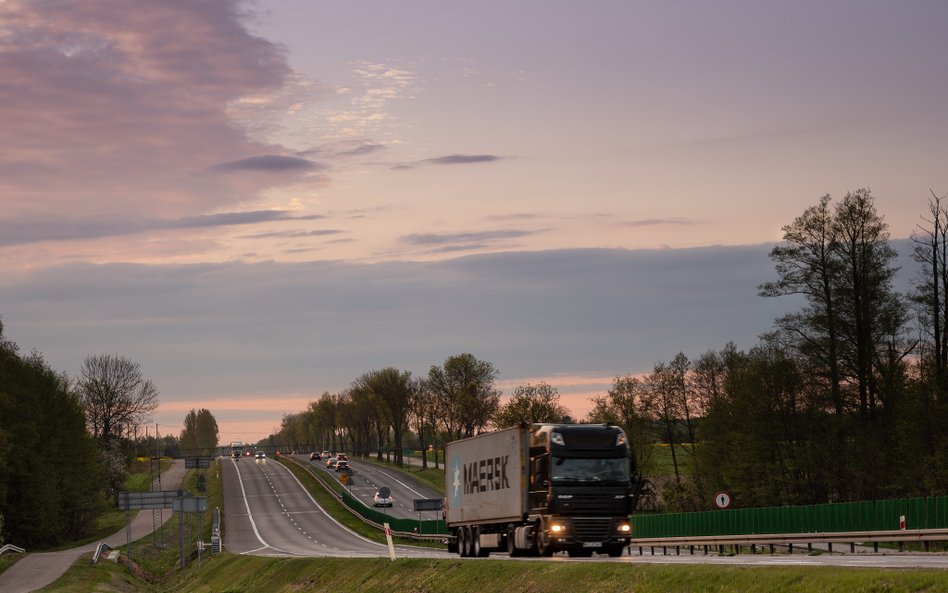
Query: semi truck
x=540 y=489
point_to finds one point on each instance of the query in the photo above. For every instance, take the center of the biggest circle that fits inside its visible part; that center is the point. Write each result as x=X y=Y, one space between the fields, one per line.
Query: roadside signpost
x=179 y=501
x=722 y=500
x=391 y=544
x=197 y=462
x=427 y=504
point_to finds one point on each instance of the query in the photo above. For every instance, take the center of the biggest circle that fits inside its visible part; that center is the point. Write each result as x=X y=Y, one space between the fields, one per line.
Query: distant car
x=383 y=501
x=260 y=455
x=341 y=457
x=325 y=455
x=342 y=466
x=331 y=462
x=314 y=456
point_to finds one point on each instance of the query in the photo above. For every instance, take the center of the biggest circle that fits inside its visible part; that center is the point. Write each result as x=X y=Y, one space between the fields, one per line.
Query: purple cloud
x=270 y=163
x=118 y=102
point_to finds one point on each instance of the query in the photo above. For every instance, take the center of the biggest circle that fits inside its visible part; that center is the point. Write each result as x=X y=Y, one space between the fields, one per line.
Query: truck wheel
x=479 y=551
x=543 y=548
x=462 y=542
x=614 y=551
x=512 y=550
x=469 y=537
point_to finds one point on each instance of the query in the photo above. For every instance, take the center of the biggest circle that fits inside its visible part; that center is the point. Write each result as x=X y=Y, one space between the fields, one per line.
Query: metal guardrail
x=341 y=497
x=216 y=532
x=11 y=548
x=102 y=547
x=791 y=539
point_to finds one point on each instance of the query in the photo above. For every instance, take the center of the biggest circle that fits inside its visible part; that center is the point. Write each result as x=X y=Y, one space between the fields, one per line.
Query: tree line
x=68 y=442
x=844 y=399
x=454 y=400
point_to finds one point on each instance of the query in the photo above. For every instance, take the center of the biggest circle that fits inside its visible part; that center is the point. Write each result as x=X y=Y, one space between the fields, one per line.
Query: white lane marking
x=330 y=517
x=253 y=523
x=393 y=478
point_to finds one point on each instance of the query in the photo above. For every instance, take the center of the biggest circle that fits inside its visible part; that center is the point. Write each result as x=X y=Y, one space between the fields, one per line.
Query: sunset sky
x=259 y=201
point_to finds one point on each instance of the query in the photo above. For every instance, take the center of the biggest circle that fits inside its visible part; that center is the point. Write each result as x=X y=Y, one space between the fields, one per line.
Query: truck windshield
x=568 y=469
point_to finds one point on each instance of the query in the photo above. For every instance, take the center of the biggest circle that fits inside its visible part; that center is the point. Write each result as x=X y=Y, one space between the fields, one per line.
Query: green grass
x=231 y=573
x=142 y=471
x=7 y=560
x=242 y=574
x=333 y=506
x=431 y=476
x=660 y=463
x=341 y=513
x=152 y=565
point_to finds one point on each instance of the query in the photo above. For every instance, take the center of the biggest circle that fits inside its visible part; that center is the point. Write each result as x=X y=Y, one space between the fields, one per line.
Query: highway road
x=269 y=513
x=367 y=478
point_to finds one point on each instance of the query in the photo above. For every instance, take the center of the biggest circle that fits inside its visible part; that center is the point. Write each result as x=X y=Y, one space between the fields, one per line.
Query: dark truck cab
x=580 y=480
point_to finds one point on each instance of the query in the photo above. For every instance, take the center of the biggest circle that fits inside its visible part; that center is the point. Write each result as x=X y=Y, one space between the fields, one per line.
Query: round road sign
x=722 y=500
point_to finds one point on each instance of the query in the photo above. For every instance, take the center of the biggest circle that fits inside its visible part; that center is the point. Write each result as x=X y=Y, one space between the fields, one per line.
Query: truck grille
x=592 y=503
x=592 y=529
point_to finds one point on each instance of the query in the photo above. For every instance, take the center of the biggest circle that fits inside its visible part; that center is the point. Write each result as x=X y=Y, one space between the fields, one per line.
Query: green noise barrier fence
x=422 y=527
x=873 y=515
x=402 y=525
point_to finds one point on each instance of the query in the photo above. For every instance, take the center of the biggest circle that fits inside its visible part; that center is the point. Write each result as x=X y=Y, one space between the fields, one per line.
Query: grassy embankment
x=152 y=565
x=230 y=573
x=338 y=511
x=158 y=572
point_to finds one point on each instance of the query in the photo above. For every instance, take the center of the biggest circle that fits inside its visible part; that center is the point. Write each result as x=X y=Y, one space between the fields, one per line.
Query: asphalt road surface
x=367 y=478
x=270 y=513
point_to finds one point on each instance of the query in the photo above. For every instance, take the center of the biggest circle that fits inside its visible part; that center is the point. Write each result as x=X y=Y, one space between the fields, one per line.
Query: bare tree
x=392 y=388
x=115 y=395
x=423 y=417
x=931 y=250
x=865 y=288
x=807 y=265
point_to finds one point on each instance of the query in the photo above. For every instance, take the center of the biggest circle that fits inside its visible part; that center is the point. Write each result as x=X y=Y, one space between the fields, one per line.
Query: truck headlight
x=557 y=528
x=624 y=528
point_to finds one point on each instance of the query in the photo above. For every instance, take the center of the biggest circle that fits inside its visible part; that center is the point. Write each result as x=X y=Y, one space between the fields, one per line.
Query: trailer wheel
x=462 y=542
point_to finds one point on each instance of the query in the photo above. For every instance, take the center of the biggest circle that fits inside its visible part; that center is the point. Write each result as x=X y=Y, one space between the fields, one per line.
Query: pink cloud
x=119 y=105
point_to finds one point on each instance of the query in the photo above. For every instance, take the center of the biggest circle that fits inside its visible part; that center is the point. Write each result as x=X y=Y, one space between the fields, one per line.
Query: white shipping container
x=487 y=477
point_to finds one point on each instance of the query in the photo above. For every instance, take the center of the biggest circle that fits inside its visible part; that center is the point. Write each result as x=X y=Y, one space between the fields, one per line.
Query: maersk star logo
x=457 y=479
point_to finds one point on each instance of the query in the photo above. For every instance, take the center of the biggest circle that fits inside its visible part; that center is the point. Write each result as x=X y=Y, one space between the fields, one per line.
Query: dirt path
x=35 y=571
